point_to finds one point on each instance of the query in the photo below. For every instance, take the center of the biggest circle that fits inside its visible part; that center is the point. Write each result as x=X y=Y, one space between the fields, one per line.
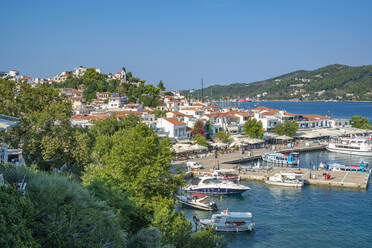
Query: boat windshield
x=211 y=181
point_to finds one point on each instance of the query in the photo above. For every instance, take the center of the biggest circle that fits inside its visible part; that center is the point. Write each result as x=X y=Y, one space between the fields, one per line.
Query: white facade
x=173 y=130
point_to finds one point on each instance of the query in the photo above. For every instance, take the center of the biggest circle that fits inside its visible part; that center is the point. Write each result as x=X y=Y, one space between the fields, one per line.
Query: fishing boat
x=286 y=179
x=280 y=158
x=230 y=221
x=197 y=201
x=224 y=174
x=361 y=167
x=213 y=186
x=355 y=146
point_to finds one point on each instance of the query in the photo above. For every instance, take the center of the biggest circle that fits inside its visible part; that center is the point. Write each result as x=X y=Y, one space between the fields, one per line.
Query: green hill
x=332 y=82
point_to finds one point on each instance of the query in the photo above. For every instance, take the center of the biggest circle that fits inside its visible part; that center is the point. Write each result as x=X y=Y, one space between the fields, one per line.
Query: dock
x=345 y=179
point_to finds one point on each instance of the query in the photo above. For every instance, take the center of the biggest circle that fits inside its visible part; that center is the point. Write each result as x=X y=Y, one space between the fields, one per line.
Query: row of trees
x=252 y=127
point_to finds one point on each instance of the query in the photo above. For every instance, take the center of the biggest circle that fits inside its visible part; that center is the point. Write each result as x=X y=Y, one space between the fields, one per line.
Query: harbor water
x=333 y=109
x=313 y=216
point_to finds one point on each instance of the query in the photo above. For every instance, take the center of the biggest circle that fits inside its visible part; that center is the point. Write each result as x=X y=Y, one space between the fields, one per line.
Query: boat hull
x=349 y=151
x=216 y=191
x=283 y=184
x=245 y=228
x=196 y=206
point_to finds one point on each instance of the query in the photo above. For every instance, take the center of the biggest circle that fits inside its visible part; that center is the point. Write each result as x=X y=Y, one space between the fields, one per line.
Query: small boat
x=354 y=146
x=224 y=174
x=362 y=167
x=211 y=185
x=280 y=158
x=286 y=179
x=197 y=201
x=230 y=221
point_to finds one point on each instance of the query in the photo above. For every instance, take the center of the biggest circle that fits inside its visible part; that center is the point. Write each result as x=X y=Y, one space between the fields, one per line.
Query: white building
x=173 y=127
x=117 y=101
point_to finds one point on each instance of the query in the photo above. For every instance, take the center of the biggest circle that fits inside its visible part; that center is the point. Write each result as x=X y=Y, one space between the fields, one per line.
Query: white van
x=193 y=165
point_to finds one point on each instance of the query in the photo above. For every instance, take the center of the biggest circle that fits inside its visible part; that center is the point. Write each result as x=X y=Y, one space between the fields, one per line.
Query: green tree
x=161 y=85
x=288 y=127
x=7 y=94
x=45 y=132
x=65 y=213
x=139 y=163
x=208 y=127
x=200 y=140
x=361 y=122
x=159 y=113
x=224 y=137
x=253 y=128
x=81 y=150
x=16 y=213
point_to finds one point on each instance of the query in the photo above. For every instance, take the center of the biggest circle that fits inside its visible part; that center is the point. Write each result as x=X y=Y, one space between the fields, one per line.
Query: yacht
x=286 y=179
x=355 y=146
x=211 y=185
x=361 y=167
x=280 y=158
x=230 y=221
x=197 y=201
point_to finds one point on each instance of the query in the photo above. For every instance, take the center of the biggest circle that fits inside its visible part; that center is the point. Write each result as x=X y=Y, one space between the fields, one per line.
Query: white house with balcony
x=173 y=127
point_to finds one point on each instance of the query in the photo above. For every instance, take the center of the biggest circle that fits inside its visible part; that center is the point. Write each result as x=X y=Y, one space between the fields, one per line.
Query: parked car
x=193 y=165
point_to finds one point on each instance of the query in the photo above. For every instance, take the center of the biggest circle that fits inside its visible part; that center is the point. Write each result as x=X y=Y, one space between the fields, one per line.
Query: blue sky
x=182 y=41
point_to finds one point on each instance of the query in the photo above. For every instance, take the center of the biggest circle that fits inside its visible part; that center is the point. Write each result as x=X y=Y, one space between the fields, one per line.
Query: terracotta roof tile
x=175 y=121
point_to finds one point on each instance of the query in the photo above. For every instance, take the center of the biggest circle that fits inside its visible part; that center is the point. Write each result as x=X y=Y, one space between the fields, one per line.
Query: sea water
x=313 y=216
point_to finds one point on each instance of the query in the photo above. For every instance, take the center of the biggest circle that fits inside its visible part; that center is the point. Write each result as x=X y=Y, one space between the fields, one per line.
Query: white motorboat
x=230 y=221
x=355 y=146
x=211 y=185
x=286 y=179
x=197 y=201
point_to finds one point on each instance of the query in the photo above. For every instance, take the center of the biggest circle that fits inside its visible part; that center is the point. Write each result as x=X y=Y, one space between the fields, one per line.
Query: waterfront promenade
x=356 y=180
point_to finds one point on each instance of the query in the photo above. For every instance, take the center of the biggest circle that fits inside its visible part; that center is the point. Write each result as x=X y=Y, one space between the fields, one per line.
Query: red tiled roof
x=175 y=121
x=270 y=112
x=244 y=114
x=315 y=117
x=212 y=106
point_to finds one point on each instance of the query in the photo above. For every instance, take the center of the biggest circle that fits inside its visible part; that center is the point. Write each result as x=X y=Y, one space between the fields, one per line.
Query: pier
x=346 y=179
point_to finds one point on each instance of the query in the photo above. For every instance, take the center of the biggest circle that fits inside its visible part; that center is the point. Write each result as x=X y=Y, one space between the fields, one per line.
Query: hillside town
x=176 y=116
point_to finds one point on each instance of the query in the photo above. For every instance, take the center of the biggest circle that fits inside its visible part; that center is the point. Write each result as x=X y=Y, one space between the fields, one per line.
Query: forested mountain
x=332 y=82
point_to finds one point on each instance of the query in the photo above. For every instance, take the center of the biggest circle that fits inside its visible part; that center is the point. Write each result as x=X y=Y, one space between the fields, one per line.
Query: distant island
x=333 y=82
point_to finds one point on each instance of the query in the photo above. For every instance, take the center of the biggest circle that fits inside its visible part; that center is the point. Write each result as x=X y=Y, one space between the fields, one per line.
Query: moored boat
x=230 y=221
x=354 y=146
x=361 y=167
x=286 y=179
x=211 y=185
x=197 y=201
x=280 y=158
